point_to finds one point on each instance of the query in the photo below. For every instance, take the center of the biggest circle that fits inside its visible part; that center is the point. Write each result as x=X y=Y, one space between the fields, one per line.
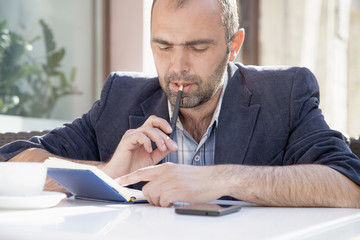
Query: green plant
x=30 y=86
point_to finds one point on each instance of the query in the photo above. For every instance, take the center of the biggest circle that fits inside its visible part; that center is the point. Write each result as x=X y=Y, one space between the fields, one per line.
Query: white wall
x=130 y=36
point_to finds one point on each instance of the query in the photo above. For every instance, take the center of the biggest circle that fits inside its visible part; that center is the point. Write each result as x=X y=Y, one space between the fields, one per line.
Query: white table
x=78 y=219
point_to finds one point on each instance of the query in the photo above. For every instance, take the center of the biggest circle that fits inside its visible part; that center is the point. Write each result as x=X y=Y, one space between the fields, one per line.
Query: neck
x=196 y=120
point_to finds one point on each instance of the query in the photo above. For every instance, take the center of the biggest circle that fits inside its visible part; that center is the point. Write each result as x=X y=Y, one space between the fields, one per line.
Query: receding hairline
x=179 y=4
x=176 y=4
x=228 y=15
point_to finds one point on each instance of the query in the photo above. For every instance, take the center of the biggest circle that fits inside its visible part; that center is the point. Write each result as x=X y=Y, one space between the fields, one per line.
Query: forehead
x=193 y=20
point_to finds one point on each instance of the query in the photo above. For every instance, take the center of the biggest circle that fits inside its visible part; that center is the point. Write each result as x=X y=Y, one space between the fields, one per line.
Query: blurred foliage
x=31 y=86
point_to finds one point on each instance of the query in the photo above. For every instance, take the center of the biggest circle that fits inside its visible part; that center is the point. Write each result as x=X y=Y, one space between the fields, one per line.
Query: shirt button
x=197 y=158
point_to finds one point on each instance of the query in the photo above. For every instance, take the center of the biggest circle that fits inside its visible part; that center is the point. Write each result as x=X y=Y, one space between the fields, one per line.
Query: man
x=255 y=134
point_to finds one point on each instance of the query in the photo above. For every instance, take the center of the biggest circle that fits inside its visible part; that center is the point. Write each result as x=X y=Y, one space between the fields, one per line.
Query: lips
x=187 y=86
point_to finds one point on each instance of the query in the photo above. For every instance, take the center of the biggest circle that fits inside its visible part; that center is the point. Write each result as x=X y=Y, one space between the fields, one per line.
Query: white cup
x=22 y=178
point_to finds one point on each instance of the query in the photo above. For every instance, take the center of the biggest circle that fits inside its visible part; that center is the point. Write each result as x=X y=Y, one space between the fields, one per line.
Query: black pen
x=176 y=110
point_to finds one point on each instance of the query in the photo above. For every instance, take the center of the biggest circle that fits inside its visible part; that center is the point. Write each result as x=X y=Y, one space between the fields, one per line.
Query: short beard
x=206 y=88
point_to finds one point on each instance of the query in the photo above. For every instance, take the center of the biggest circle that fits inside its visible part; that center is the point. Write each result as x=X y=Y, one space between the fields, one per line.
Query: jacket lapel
x=236 y=121
x=156 y=105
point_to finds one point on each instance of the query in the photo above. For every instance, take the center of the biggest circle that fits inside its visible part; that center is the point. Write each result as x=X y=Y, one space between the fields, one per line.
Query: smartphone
x=207 y=209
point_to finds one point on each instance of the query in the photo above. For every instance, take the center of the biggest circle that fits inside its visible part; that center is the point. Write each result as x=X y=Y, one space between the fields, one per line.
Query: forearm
x=293 y=186
x=31 y=155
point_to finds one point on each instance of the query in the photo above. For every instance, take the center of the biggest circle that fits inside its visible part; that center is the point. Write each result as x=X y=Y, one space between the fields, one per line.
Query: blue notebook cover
x=85 y=184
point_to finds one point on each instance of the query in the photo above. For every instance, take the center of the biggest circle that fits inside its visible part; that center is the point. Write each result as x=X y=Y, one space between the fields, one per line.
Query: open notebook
x=89 y=182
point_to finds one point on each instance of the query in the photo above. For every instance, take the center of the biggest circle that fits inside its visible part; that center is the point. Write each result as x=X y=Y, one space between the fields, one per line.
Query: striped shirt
x=189 y=151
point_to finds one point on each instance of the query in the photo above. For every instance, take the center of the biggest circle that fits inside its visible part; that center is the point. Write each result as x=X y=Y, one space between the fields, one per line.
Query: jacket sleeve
x=311 y=140
x=76 y=140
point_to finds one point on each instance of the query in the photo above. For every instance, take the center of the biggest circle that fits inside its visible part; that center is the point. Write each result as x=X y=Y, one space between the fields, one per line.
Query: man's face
x=189 y=48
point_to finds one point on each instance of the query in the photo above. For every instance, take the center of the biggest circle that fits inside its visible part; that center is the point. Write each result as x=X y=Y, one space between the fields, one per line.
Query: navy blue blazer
x=269 y=116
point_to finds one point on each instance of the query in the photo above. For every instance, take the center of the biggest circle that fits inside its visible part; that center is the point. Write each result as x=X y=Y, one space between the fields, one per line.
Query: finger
x=161 y=193
x=162 y=141
x=150 y=195
x=134 y=139
x=157 y=155
x=143 y=174
x=171 y=144
x=143 y=136
x=154 y=189
x=167 y=198
x=155 y=127
x=142 y=139
x=157 y=122
x=157 y=136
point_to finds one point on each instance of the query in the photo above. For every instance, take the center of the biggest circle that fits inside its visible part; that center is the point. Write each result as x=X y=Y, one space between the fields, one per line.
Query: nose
x=180 y=61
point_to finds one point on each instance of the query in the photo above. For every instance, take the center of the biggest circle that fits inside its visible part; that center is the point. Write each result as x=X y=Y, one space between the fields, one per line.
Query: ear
x=236 y=44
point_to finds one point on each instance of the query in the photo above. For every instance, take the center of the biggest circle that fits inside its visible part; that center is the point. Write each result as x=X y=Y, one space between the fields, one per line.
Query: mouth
x=186 y=86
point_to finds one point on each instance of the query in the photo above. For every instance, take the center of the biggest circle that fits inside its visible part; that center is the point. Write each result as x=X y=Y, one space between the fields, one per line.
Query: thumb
x=158 y=155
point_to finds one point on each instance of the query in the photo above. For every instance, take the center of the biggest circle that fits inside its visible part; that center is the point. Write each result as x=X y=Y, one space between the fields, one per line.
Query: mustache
x=184 y=77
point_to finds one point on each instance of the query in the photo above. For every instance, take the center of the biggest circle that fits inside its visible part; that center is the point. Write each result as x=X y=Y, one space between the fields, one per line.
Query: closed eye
x=164 y=47
x=199 y=48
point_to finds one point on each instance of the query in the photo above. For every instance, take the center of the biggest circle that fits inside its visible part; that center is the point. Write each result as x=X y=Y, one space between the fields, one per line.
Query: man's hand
x=135 y=150
x=170 y=182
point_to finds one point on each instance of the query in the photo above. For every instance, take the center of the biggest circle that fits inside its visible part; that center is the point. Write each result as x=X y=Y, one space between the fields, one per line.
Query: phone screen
x=207 y=209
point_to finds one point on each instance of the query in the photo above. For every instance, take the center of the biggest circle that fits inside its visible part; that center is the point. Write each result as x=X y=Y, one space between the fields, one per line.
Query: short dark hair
x=229 y=16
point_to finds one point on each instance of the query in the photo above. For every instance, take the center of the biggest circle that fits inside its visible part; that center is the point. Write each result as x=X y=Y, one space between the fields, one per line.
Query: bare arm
x=295 y=186
x=286 y=186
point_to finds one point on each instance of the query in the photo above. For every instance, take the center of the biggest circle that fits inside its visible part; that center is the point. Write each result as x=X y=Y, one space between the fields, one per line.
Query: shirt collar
x=216 y=114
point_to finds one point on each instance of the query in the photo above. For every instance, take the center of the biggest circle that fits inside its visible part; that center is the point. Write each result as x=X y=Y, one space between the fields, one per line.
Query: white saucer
x=43 y=200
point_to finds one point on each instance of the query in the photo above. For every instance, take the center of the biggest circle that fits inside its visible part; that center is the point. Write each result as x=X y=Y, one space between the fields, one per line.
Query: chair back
x=11 y=136
x=354 y=144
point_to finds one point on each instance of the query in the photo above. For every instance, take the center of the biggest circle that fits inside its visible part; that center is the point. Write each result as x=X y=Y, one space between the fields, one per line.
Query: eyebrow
x=189 y=43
